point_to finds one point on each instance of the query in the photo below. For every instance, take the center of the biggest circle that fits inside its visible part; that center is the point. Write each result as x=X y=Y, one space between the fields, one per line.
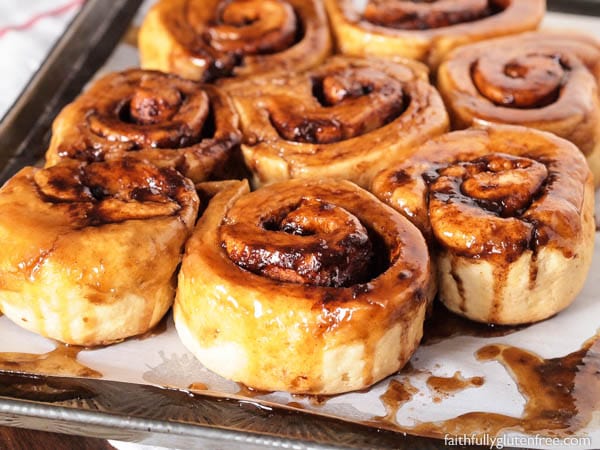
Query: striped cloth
x=28 y=30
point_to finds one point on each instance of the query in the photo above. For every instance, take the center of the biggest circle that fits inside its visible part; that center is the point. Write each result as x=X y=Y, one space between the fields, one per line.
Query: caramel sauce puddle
x=62 y=361
x=443 y=324
x=561 y=395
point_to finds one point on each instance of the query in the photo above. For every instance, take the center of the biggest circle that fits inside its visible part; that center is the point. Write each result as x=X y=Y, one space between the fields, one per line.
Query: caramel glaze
x=443 y=324
x=111 y=192
x=340 y=120
x=443 y=387
x=543 y=80
x=425 y=15
x=70 y=227
x=323 y=245
x=316 y=238
x=351 y=101
x=149 y=115
x=561 y=395
x=468 y=19
x=62 y=361
x=491 y=194
x=449 y=185
x=242 y=37
x=395 y=291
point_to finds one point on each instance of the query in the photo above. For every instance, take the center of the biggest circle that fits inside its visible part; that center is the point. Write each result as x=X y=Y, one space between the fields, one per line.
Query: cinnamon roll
x=90 y=251
x=543 y=80
x=149 y=115
x=426 y=30
x=306 y=286
x=206 y=40
x=509 y=211
x=347 y=119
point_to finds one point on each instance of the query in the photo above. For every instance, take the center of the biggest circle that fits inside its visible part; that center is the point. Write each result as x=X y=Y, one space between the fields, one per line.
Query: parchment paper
x=163 y=361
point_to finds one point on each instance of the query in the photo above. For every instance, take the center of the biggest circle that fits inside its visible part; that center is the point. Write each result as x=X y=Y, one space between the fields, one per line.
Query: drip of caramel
x=198 y=387
x=561 y=395
x=443 y=387
x=247 y=391
x=397 y=394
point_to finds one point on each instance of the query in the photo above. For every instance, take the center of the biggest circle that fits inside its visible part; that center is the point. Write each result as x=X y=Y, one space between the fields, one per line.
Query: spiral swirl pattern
x=320 y=265
x=503 y=202
x=323 y=244
x=426 y=30
x=204 y=40
x=541 y=80
x=149 y=115
x=344 y=120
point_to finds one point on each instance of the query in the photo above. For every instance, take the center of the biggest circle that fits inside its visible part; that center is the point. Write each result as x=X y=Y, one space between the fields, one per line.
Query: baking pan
x=141 y=413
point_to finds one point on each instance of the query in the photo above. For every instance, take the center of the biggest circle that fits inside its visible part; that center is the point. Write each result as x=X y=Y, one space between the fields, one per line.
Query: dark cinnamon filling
x=528 y=81
x=345 y=104
x=240 y=28
x=313 y=242
x=114 y=191
x=159 y=111
x=428 y=14
x=477 y=206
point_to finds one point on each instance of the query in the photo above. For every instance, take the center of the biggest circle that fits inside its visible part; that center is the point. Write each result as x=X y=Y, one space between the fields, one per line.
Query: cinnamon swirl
x=347 y=119
x=206 y=40
x=509 y=211
x=543 y=80
x=149 y=115
x=426 y=30
x=90 y=251
x=307 y=286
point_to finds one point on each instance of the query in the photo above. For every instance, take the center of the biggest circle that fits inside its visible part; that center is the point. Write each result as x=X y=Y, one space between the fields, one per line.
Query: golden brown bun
x=509 y=211
x=153 y=116
x=347 y=119
x=306 y=286
x=205 y=40
x=426 y=30
x=90 y=251
x=544 y=80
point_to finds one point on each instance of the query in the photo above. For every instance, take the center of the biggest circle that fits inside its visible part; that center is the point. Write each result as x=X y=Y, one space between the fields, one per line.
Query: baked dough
x=205 y=40
x=426 y=30
x=306 y=286
x=347 y=119
x=544 y=80
x=509 y=212
x=152 y=116
x=90 y=252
